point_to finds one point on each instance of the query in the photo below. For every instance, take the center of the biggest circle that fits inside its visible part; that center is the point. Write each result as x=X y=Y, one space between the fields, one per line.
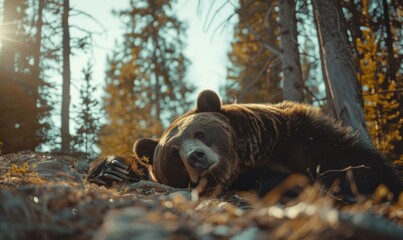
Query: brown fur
x=255 y=146
x=271 y=139
x=171 y=171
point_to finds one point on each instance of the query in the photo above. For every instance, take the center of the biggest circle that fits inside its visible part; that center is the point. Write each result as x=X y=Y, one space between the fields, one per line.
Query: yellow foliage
x=253 y=73
x=19 y=170
x=381 y=109
x=146 y=85
x=129 y=110
x=21 y=175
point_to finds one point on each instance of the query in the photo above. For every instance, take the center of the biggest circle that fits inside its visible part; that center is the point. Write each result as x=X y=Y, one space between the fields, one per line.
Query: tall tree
x=88 y=115
x=65 y=129
x=253 y=75
x=146 y=84
x=339 y=73
x=389 y=42
x=393 y=31
x=376 y=54
x=125 y=106
x=36 y=68
x=61 y=38
x=9 y=33
x=20 y=123
x=380 y=107
x=30 y=55
x=293 y=83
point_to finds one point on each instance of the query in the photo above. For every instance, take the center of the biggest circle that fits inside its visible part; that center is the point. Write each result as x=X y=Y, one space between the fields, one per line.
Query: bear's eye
x=175 y=152
x=199 y=135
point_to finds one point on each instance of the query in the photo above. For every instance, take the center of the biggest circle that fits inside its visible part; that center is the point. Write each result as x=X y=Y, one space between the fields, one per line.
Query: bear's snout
x=198 y=159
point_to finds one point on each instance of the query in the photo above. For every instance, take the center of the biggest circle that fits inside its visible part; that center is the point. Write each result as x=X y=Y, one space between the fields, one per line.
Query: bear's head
x=198 y=145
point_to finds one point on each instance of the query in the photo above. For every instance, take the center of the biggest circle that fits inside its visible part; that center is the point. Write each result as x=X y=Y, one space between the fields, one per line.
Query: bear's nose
x=198 y=159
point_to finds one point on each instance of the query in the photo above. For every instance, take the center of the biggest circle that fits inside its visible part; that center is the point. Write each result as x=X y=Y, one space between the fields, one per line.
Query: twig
x=208 y=24
x=86 y=31
x=341 y=170
x=316 y=99
x=91 y=17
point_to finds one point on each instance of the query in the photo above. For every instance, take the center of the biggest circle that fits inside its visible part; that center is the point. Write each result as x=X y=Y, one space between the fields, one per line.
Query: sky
x=207 y=43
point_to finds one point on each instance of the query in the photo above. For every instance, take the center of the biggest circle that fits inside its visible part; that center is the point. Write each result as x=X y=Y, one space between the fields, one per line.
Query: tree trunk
x=392 y=71
x=389 y=43
x=36 y=68
x=8 y=35
x=330 y=105
x=66 y=138
x=154 y=60
x=293 y=83
x=339 y=72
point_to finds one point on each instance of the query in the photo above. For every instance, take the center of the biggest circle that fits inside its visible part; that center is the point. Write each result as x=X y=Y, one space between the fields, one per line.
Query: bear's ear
x=144 y=149
x=208 y=101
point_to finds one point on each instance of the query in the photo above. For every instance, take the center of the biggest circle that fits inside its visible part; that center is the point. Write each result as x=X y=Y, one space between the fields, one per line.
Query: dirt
x=46 y=196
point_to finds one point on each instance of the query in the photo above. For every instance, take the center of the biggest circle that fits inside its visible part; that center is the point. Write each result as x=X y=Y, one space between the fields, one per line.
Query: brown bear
x=254 y=146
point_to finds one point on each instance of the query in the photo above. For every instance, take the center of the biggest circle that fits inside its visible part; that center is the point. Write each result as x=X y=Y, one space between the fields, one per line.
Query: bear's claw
x=119 y=164
x=118 y=174
x=113 y=170
x=118 y=170
x=112 y=177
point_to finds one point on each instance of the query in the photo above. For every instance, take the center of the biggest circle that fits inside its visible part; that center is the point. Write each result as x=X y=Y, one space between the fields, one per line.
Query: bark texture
x=66 y=138
x=339 y=73
x=293 y=83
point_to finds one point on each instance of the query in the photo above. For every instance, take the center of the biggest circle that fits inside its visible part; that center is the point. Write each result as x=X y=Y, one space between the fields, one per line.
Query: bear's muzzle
x=197 y=158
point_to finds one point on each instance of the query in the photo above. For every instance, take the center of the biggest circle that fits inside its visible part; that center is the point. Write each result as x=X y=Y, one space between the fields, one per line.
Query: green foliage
x=88 y=116
x=146 y=85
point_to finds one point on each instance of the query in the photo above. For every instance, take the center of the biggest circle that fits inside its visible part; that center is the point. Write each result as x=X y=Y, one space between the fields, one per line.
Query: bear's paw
x=107 y=171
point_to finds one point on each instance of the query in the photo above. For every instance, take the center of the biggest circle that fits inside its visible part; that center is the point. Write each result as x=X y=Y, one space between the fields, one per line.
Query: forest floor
x=46 y=196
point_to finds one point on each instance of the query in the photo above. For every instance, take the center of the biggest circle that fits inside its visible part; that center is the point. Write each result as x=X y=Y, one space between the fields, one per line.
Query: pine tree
x=381 y=106
x=30 y=55
x=146 y=85
x=21 y=125
x=253 y=75
x=88 y=115
x=61 y=39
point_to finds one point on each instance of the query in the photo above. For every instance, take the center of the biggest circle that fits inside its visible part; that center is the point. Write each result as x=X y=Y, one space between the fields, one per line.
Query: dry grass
x=46 y=197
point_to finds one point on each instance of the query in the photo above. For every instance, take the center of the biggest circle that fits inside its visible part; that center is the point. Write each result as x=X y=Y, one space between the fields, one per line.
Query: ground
x=46 y=196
